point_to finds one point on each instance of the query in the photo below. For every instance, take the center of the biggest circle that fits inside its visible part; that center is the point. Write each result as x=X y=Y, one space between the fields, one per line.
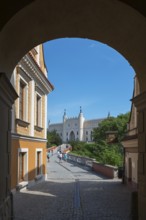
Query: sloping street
x=73 y=192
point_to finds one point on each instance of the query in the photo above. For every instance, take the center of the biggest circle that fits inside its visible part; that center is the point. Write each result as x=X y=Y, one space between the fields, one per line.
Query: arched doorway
x=72 y=136
x=111 y=22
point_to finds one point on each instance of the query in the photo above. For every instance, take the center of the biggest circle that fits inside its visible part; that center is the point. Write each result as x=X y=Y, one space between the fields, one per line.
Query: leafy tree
x=53 y=138
x=109 y=153
x=82 y=148
x=118 y=124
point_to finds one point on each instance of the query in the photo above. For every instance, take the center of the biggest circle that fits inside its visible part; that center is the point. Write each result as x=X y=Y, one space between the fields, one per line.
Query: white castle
x=76 y=128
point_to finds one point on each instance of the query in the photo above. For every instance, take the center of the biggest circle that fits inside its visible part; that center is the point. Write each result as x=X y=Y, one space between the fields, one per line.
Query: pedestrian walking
x=48 y=155
x=60 y=156
x=65 y=156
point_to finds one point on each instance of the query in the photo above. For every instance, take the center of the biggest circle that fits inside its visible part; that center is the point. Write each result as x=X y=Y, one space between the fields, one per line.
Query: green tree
x=53 y=138
x=118 y=124
x=110 y=153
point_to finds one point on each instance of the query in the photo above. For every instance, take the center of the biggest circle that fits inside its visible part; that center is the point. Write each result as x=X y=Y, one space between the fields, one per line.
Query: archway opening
x=72 y=136
x=72 y=133
x=99 y=20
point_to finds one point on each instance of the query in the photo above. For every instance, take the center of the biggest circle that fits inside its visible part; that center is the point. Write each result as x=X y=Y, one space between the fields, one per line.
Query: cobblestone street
x=73 y=192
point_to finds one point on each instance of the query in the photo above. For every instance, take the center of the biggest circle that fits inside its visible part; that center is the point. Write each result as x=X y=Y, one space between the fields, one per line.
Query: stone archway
x=111 y=22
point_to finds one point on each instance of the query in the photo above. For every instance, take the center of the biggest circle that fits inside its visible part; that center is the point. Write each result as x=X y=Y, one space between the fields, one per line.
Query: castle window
x=91 y=135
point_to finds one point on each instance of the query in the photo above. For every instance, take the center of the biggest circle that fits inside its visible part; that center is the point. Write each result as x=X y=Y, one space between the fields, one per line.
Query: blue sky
x=87 y=73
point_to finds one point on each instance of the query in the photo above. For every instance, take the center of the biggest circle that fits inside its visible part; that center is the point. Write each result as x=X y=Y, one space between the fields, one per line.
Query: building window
x=22 y=112
x=22 y=164
x=38 y=110
x=86 y=132
x=22 y=101
x=38 y=166
x=38 y=162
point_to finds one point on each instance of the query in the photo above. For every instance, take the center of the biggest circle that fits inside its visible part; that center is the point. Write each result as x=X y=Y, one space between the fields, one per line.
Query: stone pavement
x=73 y=192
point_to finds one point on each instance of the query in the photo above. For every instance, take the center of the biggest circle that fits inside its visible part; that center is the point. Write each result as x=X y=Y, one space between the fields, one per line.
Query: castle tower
x=81 y=125
x=64 y=126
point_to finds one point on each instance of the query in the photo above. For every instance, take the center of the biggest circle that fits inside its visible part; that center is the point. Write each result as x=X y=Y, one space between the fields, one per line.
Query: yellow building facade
x=29 y=115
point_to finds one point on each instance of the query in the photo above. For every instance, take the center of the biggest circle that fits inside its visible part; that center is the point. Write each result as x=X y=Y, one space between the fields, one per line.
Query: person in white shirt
x=60 y=156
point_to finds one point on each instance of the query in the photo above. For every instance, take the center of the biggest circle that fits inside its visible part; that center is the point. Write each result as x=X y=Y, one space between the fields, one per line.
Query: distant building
x=76 y=128
x=29 y=124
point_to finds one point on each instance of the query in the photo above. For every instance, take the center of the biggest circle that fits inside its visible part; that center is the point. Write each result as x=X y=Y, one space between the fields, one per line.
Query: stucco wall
x=31 y=146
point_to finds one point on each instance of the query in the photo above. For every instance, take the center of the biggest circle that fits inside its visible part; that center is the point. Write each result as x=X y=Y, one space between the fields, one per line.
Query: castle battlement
x=72 y=118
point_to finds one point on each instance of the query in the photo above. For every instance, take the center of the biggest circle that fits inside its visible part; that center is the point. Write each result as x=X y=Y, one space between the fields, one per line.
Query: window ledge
x=22 y=123
x=37 y=128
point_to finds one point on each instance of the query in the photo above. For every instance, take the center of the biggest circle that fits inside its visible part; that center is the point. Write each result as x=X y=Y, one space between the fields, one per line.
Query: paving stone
x=73 y=192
